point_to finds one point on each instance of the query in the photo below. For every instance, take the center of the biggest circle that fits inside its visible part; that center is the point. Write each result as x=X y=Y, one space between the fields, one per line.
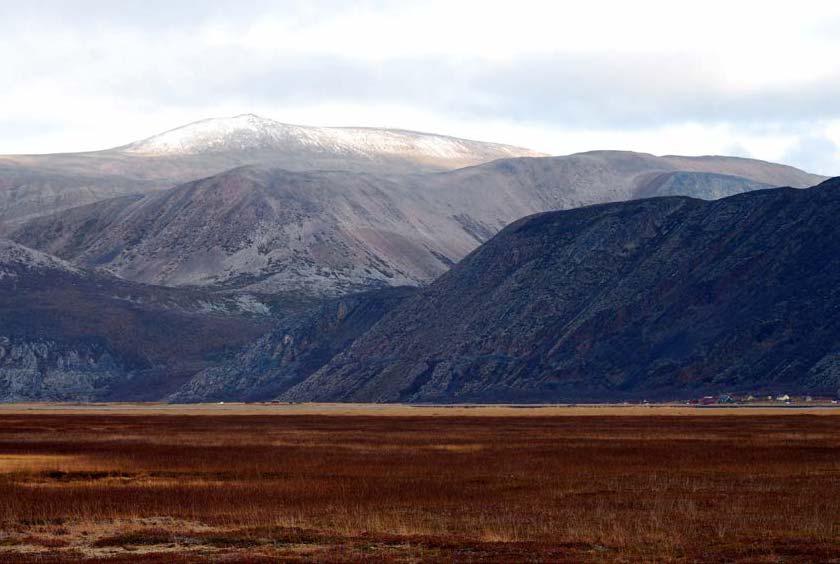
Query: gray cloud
x=575 y=92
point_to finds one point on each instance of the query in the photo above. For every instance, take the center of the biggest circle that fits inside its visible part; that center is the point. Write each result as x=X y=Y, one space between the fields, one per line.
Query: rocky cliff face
x=332 y=233
x=659 y=298
x=47 y=370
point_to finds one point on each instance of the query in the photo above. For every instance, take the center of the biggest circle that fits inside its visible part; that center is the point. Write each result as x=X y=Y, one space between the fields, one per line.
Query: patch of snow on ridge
x=249 y=131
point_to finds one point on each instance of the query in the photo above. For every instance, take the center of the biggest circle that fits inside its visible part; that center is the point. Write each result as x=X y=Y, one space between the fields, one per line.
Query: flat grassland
x=248 y=483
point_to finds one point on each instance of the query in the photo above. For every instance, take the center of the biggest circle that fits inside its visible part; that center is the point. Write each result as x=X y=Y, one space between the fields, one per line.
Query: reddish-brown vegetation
x=171 y=488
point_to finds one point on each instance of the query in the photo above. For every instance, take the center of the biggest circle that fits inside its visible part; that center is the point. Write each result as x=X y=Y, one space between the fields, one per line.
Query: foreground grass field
x=408 y=484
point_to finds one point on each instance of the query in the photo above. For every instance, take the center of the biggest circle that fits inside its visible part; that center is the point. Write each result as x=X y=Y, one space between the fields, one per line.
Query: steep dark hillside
x=292 y=351
x=658 y=298
x=71 y=334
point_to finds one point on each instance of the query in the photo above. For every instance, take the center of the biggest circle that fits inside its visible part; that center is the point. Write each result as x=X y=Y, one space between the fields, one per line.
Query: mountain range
x=327 y=233
x=660 y=298
x=243 y=258
x=35 y=185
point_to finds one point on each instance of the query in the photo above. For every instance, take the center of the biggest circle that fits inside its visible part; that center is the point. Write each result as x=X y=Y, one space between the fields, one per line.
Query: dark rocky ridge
x=659 y=298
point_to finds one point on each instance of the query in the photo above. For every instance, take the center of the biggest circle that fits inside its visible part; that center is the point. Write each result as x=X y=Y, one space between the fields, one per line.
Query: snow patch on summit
x=250 y=132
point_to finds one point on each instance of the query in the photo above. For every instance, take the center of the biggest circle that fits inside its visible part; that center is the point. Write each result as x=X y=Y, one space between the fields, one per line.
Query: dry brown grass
x=109 y=486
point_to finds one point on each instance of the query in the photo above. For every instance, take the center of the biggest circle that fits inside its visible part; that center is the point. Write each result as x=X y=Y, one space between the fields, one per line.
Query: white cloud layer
x=752 y=78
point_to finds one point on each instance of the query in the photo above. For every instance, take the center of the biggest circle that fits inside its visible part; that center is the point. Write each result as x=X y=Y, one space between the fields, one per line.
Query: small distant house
x=783 y=397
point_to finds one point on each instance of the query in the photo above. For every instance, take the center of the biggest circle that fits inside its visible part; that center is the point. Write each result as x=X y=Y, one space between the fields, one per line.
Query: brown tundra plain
x=412 y=484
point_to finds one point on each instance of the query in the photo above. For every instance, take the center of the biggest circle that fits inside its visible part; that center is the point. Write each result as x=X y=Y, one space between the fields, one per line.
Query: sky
x=747 y=78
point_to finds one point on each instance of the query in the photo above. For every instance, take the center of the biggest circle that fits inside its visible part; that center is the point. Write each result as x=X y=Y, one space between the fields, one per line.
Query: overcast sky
x=747 y=78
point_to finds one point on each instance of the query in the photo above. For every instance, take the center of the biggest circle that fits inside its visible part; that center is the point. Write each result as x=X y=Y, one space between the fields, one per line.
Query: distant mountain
x=703 y=185
x=249 y=132
x=658 y=298
x=28 y=192
x=35 y=185
x=269 y=230
x=71 y=334
x=336 y=232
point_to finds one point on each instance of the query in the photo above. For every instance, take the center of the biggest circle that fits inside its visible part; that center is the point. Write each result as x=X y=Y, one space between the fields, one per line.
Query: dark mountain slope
x=71 y=334
x=666 y=297
x=295 y=349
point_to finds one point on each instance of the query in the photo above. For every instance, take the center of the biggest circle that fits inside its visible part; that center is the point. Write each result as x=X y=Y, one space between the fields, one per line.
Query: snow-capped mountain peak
x=249 y=132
